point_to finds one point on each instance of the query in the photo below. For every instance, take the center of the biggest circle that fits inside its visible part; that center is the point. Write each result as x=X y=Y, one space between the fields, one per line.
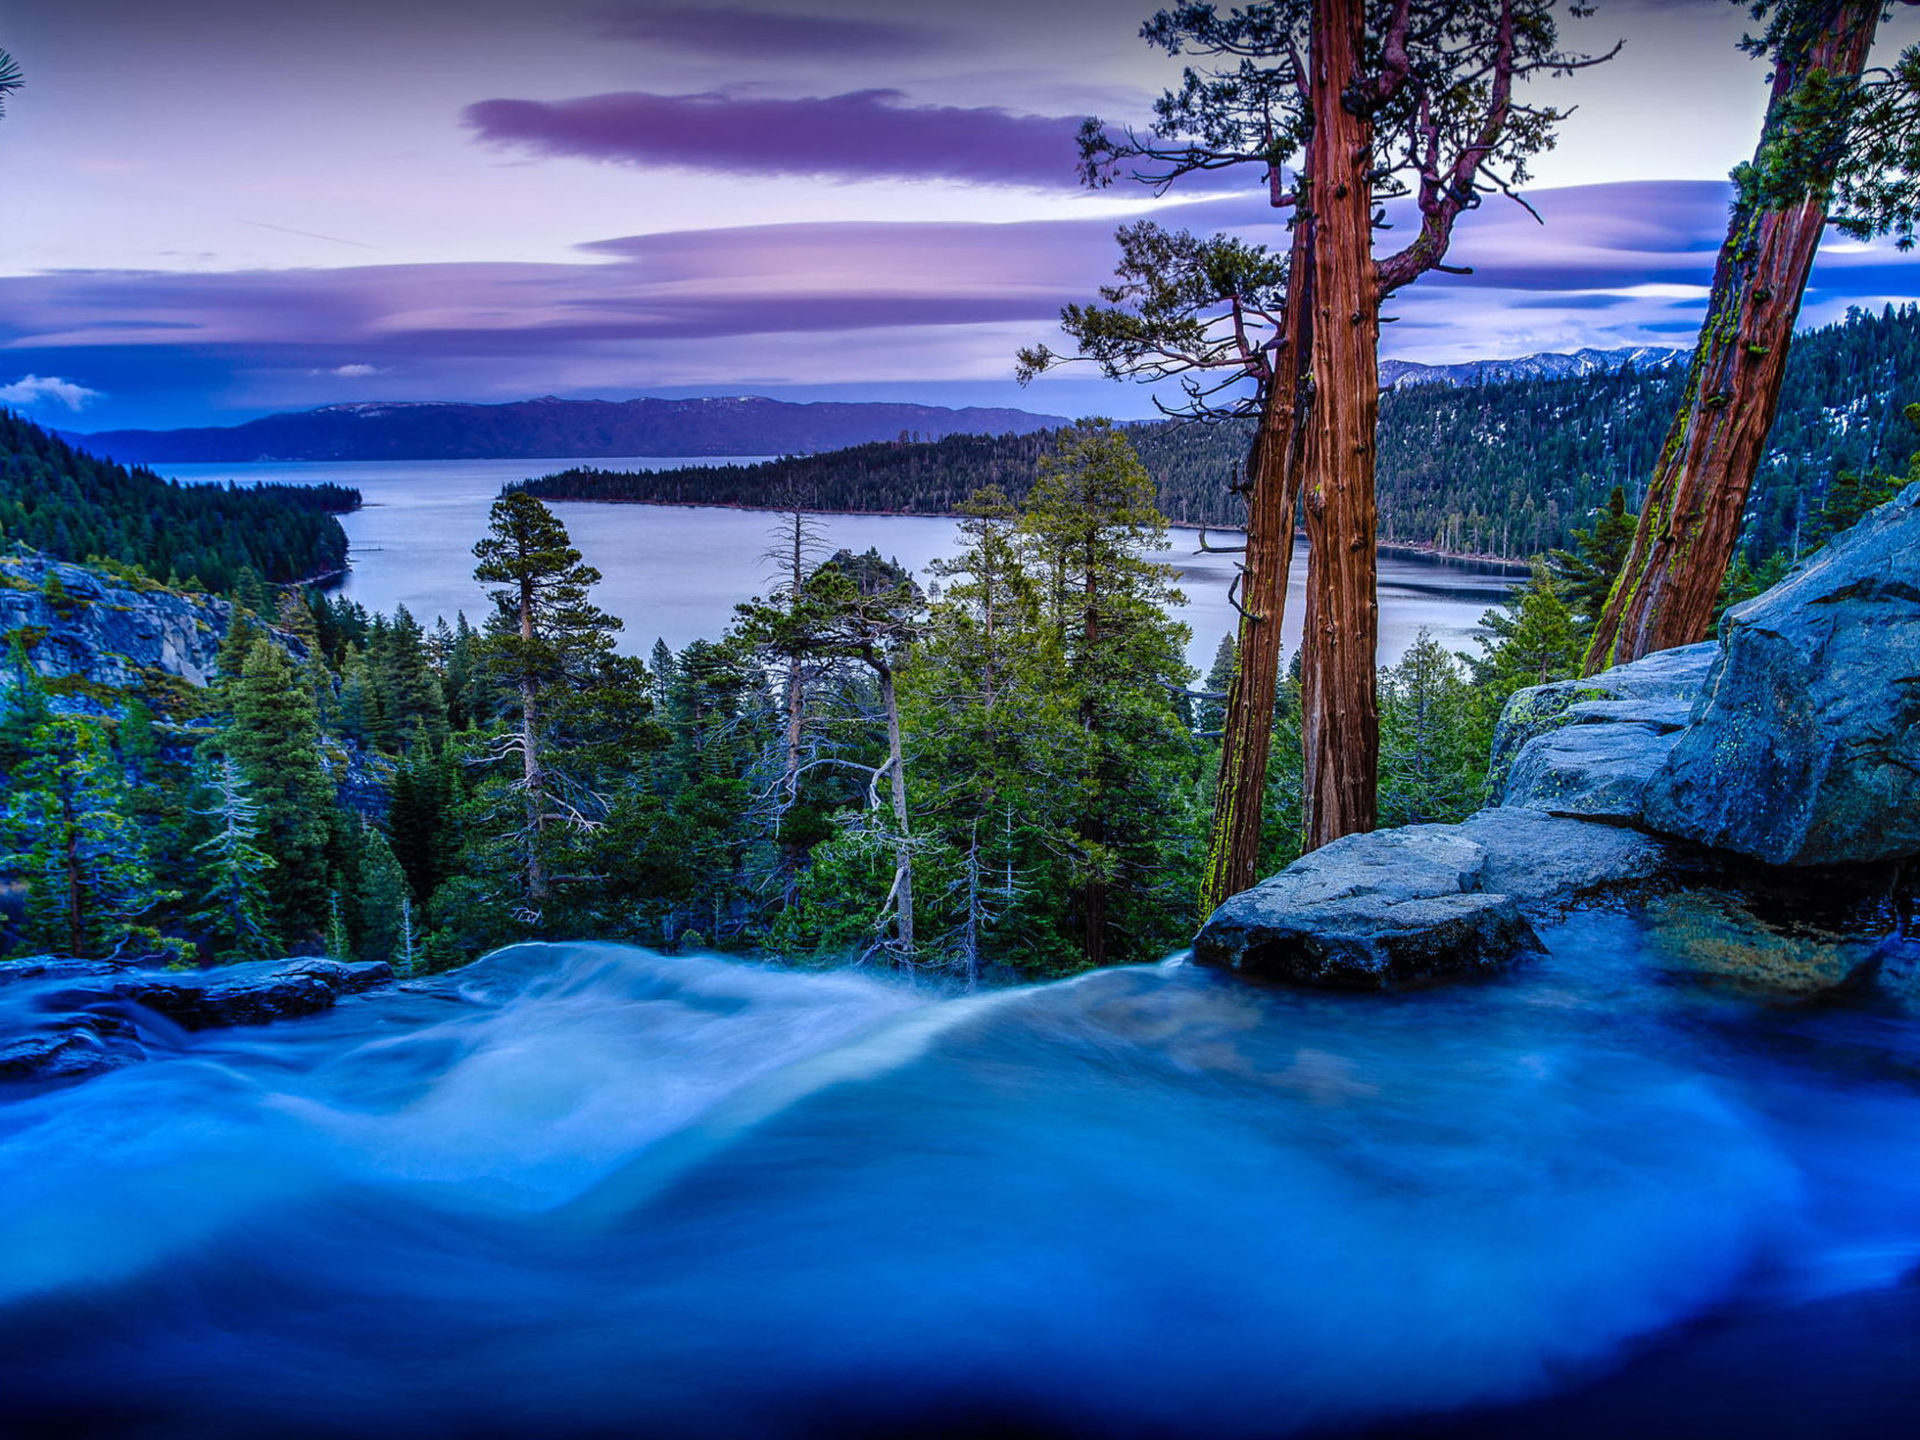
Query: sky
x=215 y=209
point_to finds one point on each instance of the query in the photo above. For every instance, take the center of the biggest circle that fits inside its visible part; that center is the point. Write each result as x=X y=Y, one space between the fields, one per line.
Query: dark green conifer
x=275 y=738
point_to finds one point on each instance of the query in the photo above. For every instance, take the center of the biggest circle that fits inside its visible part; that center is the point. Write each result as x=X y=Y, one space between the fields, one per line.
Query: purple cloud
x=737 y=31
x=863 y=135
x=832 y=304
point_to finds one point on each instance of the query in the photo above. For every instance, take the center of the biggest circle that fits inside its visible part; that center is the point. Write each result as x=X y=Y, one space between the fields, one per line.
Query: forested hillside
x=65 y=503
x=1507 y=468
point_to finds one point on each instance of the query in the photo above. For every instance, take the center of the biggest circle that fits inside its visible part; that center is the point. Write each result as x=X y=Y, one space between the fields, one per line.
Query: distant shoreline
x=1384 y=547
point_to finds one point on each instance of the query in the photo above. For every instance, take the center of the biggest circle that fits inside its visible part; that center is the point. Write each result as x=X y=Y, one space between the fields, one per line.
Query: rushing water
x=676 y=572
x=585 y=1190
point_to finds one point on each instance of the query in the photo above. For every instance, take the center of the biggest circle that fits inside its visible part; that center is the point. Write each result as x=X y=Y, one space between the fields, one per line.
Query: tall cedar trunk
x=532 y=775
x=1274 y=468
x=1340 y=709
x=902 y=845
x=1690 y=521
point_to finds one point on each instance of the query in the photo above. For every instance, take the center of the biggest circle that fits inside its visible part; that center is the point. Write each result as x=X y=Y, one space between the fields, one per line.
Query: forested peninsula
x=65 y=503
x=1504 y=469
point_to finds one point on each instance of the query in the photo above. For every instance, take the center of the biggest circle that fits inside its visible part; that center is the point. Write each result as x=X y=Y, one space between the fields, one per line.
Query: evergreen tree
x=420 y=819
x=90 y=882
x=386 y=905
x=361 y=715
x=1210 y=713
x=1431 y=769
x=235 y=646
x=1529 y=641
x=993 y=735
x=10 y=79
x=412 y=702
x=1839 y=148
x=544 y=636
x=865 y=610
x=1088 y=527
x=23 y=708
x=275 y=738
x=1587 y=572
x=232 y=883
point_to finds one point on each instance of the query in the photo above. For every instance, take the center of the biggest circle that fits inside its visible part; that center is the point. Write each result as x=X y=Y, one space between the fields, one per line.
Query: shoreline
x=1382 y=547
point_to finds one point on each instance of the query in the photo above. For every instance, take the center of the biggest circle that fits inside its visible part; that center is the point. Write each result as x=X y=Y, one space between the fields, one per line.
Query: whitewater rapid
x=585 y=1190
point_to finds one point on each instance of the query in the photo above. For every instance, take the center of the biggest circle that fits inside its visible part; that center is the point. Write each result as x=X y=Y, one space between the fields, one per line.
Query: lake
x=676 y=572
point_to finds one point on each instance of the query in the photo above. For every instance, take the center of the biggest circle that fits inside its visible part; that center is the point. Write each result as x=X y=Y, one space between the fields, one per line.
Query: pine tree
x=544 y=635
x=90 y=883
x=232 y=885
x=361 y=715
x=1088 y=527
x=1531 y=640
x=864 y=610
x=993 y=736
x=420 y=819
x=1211 y=712
x=275 y=738
x=1431 y=769
x=386 y=919
x=23 y=708
x=235 y=645
x=1586 y=574
x=412 y=702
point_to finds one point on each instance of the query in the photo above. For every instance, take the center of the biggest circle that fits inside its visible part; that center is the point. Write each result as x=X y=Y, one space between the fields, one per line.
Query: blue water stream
x=592 y=1191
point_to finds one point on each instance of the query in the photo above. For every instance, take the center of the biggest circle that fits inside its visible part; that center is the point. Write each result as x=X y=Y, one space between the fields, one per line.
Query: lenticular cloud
x=863 y=135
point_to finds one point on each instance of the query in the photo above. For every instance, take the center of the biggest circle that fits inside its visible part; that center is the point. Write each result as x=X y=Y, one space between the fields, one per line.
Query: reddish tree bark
x=1690 y=521
x=1276 y=465
x=1340 y=710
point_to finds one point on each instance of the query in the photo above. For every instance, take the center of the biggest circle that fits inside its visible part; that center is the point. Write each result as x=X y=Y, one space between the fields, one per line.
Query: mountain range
x=1397 y=374
x=551 y=427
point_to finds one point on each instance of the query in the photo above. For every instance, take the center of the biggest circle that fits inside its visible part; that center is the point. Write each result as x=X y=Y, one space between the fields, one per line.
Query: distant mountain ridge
x=552 y=427
x=1553 y=365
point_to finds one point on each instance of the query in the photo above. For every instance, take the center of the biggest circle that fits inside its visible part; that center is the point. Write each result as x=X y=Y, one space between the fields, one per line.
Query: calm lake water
x=676 y=572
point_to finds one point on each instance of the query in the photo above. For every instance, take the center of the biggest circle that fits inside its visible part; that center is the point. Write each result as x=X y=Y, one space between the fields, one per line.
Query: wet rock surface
x=1428 y=902
x=64 y=1019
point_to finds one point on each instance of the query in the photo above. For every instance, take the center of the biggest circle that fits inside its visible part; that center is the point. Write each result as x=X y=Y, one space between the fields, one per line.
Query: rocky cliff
x=1789 y=745
x=98 y=639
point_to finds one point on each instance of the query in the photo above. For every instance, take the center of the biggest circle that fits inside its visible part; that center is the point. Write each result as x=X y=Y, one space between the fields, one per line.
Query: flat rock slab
x=250 y=994
x=1590 y=771
x=1659 y=691
x=1549 y=863
x=1423 y=903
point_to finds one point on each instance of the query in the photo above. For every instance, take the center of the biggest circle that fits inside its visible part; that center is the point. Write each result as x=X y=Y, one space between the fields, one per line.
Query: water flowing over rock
x=1806 y=750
